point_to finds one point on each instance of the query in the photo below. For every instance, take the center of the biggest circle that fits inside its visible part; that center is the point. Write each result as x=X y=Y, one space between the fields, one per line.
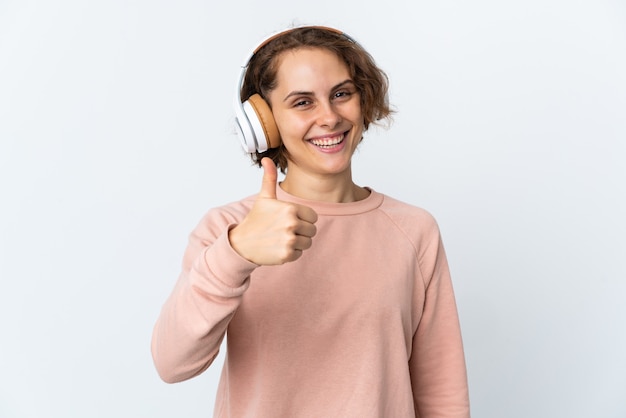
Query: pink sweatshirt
x=364 y=324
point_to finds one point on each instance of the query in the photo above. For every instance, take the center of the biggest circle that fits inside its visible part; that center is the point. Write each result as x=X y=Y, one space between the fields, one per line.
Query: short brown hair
x=370 y=81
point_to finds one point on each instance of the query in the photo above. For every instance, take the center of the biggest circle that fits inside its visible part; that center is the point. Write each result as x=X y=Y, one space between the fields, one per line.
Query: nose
x=328 y=116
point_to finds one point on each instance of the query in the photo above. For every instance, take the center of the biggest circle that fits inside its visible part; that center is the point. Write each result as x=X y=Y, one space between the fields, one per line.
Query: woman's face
x=318 y=111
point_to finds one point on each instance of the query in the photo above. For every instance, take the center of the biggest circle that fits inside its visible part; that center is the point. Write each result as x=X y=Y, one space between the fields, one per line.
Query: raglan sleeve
x=437 y=363
x=193 y=320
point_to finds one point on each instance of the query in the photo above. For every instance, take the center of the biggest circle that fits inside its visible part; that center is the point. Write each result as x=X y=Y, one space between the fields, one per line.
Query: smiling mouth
x=328 y=142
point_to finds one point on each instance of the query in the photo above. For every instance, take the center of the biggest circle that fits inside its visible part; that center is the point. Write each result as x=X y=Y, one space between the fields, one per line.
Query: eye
x=302 y=102
x=342 y=94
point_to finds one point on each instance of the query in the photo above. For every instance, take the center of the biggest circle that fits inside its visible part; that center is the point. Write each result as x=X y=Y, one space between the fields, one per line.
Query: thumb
x=270 y=177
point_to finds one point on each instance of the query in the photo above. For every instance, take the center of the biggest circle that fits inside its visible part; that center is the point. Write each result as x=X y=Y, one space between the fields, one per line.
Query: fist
x=274 y=232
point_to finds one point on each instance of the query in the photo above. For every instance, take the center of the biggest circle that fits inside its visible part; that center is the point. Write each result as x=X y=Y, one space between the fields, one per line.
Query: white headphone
x=254 y=121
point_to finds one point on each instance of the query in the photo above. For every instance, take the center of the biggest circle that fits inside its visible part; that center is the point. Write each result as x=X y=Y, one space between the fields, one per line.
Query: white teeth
x=327 y=142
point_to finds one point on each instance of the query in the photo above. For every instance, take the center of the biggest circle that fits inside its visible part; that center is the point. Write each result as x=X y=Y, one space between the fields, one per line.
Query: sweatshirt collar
x=373 y=201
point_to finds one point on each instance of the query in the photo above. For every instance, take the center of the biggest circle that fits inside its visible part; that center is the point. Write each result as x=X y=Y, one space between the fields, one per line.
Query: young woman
x=336 y=299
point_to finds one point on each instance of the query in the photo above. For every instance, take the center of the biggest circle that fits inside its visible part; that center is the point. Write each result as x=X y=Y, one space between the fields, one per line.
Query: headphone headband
x=273 y=36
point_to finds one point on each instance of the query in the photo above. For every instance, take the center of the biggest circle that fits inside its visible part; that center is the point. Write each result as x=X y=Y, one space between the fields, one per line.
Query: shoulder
x=218 y=218
x=417 y=225
x=233 y=210
x=420 y=228
x=410 y=218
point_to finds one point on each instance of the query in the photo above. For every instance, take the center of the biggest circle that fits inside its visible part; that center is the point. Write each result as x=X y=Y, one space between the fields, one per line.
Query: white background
x=116 y=136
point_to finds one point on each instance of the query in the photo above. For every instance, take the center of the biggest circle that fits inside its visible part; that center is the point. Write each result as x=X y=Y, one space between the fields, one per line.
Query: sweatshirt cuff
x=225 y=264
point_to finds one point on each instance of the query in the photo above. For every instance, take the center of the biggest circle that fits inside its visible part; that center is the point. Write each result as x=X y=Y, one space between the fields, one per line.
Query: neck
x=335 y=188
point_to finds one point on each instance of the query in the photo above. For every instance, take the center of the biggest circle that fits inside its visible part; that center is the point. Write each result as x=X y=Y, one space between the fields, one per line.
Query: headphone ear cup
x=263 y=123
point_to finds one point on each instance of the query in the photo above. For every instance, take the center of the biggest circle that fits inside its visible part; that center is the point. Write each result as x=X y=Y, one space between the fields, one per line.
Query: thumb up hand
x=274 y=232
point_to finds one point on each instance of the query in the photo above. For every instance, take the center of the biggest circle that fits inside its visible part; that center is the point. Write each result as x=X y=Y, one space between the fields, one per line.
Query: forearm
x=438 y=370
x=194 y=319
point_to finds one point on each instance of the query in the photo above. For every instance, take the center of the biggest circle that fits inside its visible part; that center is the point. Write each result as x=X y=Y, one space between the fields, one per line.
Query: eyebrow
x=310 y=93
